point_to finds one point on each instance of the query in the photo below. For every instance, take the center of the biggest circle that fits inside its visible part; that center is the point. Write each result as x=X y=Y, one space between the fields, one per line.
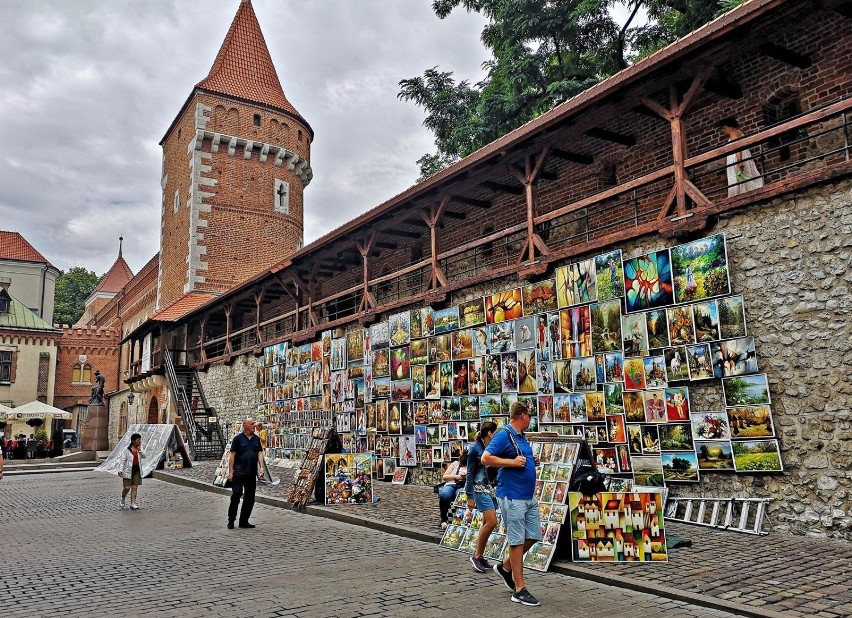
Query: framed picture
x=746 y=390
x=399 y=476
x=757 y=456
x=648 y=281
x=700 y=269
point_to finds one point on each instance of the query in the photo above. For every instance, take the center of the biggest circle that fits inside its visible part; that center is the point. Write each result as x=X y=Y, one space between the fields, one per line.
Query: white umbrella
x=4 y=412
x=37 y=409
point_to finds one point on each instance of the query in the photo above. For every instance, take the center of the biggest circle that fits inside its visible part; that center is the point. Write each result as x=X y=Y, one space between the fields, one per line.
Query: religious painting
x=400 y=329
x=502 y=337
x=700 y=269
x=634 y=406
x=681 y=328
x=539 y=297
x=504 y=306
x=527 y=379
x=655 y=372
x=472 y=313
x=407 y=451
x=655 y=405
x=734 y=357
x=677 y=404
x=400 y=363
x=705 y=316
x=757 y=456
x=418 y=351
x=680 y=467
x=338 y=354
x=618 y=527
x=634 y=334
x=399 y=476
x=576 y=332
x=427 y=321
x=446 y=320
x=614 y=370
x=710 y=426
x=648 y=281
x=715 y=455
x=634 y=374
x=606 y=325
x=750 y=422
x=675 y=437
x=732 y=321
x=610 y=275
x=462 y=343
x=613 y=398
x=677 y=368
x=355 y=345
x=349 y=480
x=746 y=390
x=657 y=326
x=583 y=374
x=440 y=348
x=699 y=361
x=381 y=362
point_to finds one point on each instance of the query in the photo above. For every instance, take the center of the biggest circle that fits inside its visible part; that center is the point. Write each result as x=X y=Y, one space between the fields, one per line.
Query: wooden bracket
x=368 y=301
x=432 y=217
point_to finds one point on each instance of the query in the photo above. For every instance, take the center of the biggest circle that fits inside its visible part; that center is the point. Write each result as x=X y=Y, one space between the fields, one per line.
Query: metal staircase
x=204 y=438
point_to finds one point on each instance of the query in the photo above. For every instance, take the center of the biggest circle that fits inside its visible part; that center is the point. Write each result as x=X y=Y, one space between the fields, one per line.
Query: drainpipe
x=43 y=285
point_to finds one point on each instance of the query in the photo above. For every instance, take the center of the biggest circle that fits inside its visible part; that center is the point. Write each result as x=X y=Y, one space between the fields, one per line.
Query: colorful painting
x=648 y=281
x=634 y=374
x=634 y=406
x=677 y=365
x=576 y=284
x=700 y=269
x=681 y=328
x=349 y=478
x=617 y=527
x=418 y=351
x=614 y=399
x=415 y=324
x=699 y=361
x=732 y=321
x=710 y=426
x=583 y=374
x=338 y=354
x=400 y=329
x=655 y=405
x=462 y=342
x=614 y=371
x=355 y=345
x=705 y=316
x=576 y=332
x=634 y=334
x=676 y=437
x=606 y=325
x=503 y=306
x=427 y=321
x=446 y=320
x=407 y=451
x=440 y=348
x=714 y=455
x=501 y=337
x=655 y=372
x=399 y=475
x=750 y=422
x=472 y=313
x=400 y=363
x=757 y=456
x=680 y=467
x=746 y=390
x=734 y=357
x=540 y=297
x=610 y=275
x=677 y=404
x=657 y=325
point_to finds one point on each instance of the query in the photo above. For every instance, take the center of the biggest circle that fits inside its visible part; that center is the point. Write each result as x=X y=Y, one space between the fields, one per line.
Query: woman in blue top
x=478 y=490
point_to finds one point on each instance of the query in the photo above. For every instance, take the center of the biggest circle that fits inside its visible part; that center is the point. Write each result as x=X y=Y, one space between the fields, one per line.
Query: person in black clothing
x=332 y=447
x=245 y=466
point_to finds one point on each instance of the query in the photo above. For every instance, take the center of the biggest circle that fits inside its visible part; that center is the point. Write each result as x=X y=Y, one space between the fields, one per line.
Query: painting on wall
x=757 y=456
x=681 y=328
x=504 y=306
x=657 y=326
x=634 y=334
x=734 y=357
x=648 y=281
x=750 y=422
x=610 y=275
x=680 y=467
x=606 y=326
x=540 y=297
x=700 y=269
x=732 y=321
x=705 y=316
x=746 y=390
x=714 y=455
x=472 y=313
x=400 y=327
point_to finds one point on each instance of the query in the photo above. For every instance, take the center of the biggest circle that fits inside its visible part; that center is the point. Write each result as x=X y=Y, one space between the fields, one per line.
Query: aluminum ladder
x=738 y=514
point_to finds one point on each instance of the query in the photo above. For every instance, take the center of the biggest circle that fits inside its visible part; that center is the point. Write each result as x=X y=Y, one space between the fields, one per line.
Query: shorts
x=522 y=520
x=135 y=479
x=484 y=501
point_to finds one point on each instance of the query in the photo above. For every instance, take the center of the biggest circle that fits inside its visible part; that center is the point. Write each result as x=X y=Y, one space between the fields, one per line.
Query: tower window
x=177 y=200
x=300 y=135
x=257 y=120
x=282 y=197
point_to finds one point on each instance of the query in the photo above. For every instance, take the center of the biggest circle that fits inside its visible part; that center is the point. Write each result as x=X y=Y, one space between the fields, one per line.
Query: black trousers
x=243 y=486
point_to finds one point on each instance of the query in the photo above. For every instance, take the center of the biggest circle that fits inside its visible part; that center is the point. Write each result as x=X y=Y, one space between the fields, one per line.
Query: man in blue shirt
x=245 y=466
x=512 y=454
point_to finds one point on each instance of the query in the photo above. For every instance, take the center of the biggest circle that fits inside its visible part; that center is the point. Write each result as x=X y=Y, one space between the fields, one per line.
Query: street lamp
x=131 y=398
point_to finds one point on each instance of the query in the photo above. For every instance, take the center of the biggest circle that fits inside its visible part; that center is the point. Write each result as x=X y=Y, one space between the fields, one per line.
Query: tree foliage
x=543 y=52
x=72 y=289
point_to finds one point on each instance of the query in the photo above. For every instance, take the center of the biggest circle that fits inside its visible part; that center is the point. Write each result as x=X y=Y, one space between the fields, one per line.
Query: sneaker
x=134 y=506
x=480 y=565
x=123 y=504
x=246 y=525
x=505 y=575
x=444 y=525
x=524 y=597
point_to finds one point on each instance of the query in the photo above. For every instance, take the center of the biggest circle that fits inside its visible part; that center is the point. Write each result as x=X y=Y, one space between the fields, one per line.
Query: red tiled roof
x=181 y=307
x=243 y=67
x=116 y=277
x=13 y=246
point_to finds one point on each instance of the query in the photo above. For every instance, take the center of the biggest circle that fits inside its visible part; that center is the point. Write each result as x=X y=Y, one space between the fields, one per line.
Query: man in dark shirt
x=245 y=466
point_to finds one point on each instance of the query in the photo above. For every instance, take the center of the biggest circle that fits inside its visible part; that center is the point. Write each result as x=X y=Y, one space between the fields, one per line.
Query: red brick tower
x=235 y=165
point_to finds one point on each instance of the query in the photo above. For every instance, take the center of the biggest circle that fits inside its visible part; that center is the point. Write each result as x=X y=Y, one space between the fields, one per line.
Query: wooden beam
x=258 y=331
x=612 y=136
x=368 y=301
x=469 y=201
x=229 y=310
x=432 y=218
x=643 y=109
x=724 y=87
x=460 y=216
x=787 y=56
x=545 y=175
x=386 y=245
x=405 y=234
x=573 y=157
x=503 y=188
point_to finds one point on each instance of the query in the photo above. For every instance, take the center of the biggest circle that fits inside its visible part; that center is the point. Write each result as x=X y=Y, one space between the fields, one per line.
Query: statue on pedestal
x=97 y=398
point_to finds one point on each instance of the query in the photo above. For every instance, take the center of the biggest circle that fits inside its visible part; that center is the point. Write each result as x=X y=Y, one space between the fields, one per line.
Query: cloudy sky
x=90 y=87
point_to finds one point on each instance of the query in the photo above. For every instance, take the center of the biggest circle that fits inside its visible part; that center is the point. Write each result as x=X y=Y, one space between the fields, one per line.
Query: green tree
x=72 y=290
x=543 y=52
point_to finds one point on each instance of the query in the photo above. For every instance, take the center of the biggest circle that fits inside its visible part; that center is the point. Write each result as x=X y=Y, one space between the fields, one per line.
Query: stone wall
x=231 y=390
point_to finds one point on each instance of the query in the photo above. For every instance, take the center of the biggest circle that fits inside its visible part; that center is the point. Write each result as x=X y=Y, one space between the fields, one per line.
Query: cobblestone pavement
x=67 y=550
x=798 y=576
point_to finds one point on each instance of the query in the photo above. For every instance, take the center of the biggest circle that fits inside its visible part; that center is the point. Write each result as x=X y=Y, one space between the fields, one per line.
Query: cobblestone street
x=67 y=550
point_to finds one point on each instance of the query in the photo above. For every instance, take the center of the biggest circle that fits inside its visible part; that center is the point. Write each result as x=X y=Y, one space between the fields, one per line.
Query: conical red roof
x=243 y=67
x=116 y=277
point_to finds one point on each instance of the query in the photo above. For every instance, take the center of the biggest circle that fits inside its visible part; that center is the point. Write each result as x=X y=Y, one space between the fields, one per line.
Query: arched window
x=81 y=374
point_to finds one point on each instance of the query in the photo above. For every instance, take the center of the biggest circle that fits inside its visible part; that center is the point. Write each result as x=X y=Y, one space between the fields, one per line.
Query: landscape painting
x=757 y=456
x=746 y=390
x=714 y=455
x=609 y=273
x=680 y=467
x=700 y=269
x=751 y=422
x=731 y=317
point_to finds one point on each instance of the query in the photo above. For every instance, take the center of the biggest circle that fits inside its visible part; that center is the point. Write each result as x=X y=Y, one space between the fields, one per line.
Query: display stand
x=308 y=472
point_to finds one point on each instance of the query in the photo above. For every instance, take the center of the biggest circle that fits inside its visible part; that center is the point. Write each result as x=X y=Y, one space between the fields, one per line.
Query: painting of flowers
x=700 y=269
x=710 y=426
x=648 y=281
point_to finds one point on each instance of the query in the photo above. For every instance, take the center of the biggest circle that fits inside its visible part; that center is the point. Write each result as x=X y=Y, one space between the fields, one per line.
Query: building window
x=783 y=106
x=282 y=196
x=257 y=120
x=4 y=305
x=177 y=200
x=300 y=135
x=5 y=367
x=81 y=374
